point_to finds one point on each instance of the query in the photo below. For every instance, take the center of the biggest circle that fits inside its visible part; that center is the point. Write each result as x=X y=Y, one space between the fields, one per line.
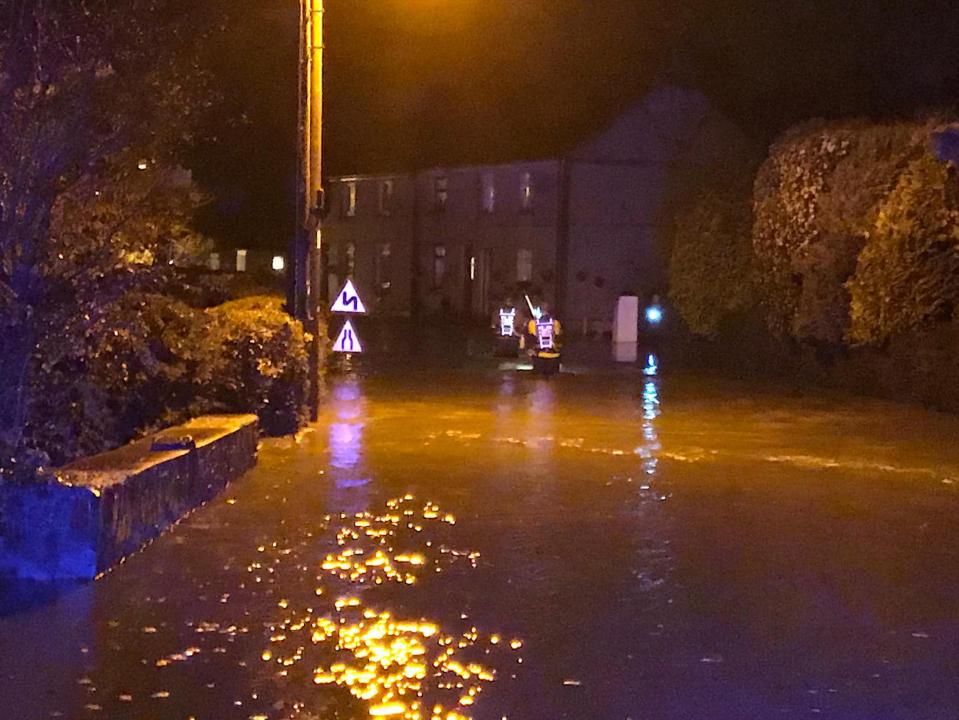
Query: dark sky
x=412 y=83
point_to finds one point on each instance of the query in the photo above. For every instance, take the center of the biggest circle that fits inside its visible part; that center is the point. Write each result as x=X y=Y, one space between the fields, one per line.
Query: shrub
x=908 y=272
x=787 y=222
x=104 y=375
x=711 y=270
x=261 y=362
x=817 y=200
x=145 y=361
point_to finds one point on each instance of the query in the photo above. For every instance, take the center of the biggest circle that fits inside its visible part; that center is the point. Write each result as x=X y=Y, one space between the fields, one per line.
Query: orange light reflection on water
x=398 y=667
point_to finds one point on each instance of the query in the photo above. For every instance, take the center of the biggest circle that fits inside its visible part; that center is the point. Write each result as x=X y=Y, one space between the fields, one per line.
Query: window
x=489 y=193
x=384 y=268
x=439 y=266
x=386 y=197
x=241 y=261
x=279 y=263
x=441 y=193
x=350 y=259
x=524 y=266
x=349 y=199
x=526 y=192
x=214 y=261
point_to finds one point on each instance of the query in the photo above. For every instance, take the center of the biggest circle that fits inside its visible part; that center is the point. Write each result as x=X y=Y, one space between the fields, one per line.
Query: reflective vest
x=507 y=321
x=546 y=334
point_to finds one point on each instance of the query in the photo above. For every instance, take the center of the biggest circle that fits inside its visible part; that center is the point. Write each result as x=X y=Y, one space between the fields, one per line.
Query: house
x=576 y=231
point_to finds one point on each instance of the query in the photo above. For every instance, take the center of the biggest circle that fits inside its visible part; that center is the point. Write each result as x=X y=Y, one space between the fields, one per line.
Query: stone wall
x=104 y=508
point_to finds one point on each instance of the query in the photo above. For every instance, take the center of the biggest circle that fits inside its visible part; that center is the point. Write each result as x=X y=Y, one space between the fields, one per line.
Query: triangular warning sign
x=348 y=341
x=348 y=301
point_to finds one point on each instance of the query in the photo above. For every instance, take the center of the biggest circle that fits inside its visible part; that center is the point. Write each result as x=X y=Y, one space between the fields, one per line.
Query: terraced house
x=577 y=230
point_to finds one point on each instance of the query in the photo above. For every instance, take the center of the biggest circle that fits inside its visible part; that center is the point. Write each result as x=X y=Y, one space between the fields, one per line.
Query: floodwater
x=455 y=540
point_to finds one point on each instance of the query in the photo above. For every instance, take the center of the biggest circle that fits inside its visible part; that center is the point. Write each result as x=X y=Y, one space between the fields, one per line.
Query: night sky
x=415 y=83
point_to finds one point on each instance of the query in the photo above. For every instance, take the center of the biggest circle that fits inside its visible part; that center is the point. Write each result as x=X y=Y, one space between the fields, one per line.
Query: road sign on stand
x=348 y=301
x=348 y=341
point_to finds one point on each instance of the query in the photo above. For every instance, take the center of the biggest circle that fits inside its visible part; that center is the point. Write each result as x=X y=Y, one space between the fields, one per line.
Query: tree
x=908 y=271
x=711 y=272
x=85 y=88
x=817 y=199
x=788 y=224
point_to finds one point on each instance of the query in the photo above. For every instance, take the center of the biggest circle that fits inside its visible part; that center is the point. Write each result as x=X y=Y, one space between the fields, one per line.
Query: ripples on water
x=411 y=668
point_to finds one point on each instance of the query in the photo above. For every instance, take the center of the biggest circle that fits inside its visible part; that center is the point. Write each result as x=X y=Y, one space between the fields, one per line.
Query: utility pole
x=305 y=295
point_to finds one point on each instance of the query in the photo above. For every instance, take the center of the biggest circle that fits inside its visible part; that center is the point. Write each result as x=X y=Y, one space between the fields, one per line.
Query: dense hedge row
x=849 y=237
x=146 y=361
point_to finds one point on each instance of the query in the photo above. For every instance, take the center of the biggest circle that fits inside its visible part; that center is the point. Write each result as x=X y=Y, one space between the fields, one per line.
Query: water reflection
x=346 y=434
x=649 y=451
x=411 y=668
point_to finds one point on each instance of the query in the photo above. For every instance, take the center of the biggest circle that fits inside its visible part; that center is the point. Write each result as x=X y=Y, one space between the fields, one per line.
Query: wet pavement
x=455 y=540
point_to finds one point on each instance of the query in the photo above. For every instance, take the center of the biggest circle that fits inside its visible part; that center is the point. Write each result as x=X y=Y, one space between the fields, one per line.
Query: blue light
x=654 y=315
x=652 y=366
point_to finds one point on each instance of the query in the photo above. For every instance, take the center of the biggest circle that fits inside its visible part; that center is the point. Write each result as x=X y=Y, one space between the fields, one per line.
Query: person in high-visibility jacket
x=506 y=320
x=546 y=332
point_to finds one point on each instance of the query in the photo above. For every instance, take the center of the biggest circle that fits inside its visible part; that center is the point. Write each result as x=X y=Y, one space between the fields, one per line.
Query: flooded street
x=465 y=541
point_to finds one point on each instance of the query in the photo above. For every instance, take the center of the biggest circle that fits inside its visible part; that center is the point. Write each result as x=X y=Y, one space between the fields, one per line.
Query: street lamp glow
x=279 y=263
x=654 y=315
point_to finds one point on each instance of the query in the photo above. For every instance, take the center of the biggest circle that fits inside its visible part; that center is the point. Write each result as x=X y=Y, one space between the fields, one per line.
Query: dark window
x=350 y=260
x=441 y=193
x=439 y=266
x=489 y=193
x=524 y=265
x=386 y=197
x=526 y=192
x=384 y=269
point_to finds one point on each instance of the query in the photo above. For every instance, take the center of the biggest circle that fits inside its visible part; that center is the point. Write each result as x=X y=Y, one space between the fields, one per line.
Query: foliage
x=260 y=362
x=85 y=89
x=101 y=376
x=787 y=220
x=147 y=361
x=908 y=271
x=817 y=199
x=711 y=273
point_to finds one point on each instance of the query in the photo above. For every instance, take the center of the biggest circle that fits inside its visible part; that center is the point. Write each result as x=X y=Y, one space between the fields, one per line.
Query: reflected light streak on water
x=651 y=411
x=406 y=668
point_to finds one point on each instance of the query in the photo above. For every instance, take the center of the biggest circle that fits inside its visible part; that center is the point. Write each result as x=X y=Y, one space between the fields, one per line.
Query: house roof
x=670 y=119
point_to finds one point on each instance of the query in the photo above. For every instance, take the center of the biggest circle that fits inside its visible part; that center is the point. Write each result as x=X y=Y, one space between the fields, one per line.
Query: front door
x=485 y=278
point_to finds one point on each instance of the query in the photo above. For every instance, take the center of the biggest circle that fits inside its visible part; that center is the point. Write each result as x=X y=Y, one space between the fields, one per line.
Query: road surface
x=455 y=540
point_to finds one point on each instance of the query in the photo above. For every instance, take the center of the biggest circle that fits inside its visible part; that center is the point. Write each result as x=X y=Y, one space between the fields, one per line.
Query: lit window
x=214 y=261
x=441 y=193
x=279 y=263
x=439 y=266
x=473 y=268
x=386 y=197
x=526 y=192
x=241 y=261
x=489 y=193
x=524 y=266
x=349 y=199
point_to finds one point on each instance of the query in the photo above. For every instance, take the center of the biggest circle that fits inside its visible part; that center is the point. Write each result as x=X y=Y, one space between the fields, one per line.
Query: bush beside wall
x=148 y=361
